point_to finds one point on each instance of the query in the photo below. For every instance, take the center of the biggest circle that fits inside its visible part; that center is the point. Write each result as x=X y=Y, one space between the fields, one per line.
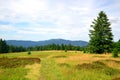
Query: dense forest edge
x=5 y=48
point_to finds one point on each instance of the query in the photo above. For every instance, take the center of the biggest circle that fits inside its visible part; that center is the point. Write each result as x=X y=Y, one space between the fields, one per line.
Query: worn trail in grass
x=50 y=70
x=60 y=65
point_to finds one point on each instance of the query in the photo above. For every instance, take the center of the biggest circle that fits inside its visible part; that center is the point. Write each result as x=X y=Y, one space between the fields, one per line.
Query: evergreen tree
x=100 y=35
x=0 y=45
x=117 y=45
x=3 y=46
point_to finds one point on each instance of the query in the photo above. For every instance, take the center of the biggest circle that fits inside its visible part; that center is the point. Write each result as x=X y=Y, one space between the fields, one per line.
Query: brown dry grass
x=79 y=58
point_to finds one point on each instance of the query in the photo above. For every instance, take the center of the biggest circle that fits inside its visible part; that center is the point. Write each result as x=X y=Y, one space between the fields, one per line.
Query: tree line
x=4 y=48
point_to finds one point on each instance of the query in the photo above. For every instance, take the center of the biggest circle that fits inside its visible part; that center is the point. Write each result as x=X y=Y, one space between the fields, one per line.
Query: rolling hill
x=45 y=42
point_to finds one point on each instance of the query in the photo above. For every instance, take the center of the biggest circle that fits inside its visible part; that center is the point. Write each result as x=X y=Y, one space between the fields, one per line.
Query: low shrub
x=29 y=53
x=115 y=53
x=65 y=50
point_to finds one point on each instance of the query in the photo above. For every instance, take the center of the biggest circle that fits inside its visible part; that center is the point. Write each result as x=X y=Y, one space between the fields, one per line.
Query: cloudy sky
x=50 y=19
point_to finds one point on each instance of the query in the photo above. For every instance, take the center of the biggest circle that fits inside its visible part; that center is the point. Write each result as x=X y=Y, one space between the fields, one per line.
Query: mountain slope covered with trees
x=45 y=42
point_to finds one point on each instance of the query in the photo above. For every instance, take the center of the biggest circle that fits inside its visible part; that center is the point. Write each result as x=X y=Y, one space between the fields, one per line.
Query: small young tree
x=115 y=52
x=29 y=52
x=117 y=45
x=65 y=49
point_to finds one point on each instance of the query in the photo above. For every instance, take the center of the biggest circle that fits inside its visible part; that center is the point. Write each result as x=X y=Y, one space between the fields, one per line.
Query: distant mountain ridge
x=45 y=42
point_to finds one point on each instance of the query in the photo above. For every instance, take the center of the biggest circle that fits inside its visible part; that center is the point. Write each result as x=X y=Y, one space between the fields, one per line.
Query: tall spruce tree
x=101 y=38
x=3 y=46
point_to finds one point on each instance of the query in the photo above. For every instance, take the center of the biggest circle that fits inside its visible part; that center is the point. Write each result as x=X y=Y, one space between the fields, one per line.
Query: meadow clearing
x=59 y=65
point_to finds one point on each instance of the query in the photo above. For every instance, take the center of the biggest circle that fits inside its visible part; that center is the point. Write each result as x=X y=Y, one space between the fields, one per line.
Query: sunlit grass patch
x=112 y=63
x=13 y=74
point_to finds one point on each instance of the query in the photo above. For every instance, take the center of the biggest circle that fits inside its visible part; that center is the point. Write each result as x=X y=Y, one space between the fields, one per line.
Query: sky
x=37 y=20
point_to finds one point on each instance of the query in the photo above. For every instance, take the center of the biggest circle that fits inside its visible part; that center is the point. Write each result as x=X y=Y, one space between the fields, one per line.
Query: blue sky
x=52 y=19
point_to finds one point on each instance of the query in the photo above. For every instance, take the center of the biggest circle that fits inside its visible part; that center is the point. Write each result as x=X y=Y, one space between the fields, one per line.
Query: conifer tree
x=3 y=46
x=101 y=38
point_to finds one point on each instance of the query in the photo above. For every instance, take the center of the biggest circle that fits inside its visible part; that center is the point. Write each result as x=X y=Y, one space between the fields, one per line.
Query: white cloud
x=7 y=28
x=67 y=19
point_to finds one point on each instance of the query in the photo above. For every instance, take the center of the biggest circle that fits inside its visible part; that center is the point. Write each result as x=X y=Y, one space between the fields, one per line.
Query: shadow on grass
x=116 y=78
x=64 y=65
x=59 y=56
x=108 y=60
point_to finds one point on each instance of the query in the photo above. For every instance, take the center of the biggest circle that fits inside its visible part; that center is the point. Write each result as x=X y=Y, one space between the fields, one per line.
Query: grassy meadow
x=59 y=65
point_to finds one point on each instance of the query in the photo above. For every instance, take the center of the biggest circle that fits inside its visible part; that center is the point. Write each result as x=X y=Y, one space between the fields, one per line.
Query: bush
x=115 y=53
x=29 y=52
x=65 y=50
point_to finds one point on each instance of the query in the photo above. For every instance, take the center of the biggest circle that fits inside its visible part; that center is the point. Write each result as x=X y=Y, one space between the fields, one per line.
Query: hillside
x=45 y=42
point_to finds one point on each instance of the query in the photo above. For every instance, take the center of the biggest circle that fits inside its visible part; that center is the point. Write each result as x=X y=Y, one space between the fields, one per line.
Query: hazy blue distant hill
x=45 y=42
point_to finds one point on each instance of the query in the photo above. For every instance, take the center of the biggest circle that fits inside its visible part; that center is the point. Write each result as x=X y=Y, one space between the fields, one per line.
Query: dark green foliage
x=16 y=48
x=3 y=46
x=117 y=45
x=85 y=49
x=115 y=52
x=55 y=47
x=65 y=49
x=100 y=35
x=45 y=47
x=17 y=62
x=29 y=53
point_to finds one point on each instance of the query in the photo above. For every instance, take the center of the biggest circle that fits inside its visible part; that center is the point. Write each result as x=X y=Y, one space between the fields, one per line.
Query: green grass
x=13 y=74
x=50 y=70
x=60 y=65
